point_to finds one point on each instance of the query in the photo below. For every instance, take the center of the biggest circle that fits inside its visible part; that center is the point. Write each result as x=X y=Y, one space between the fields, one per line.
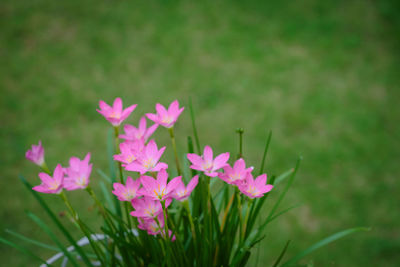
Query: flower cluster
x=151 y=193
x=210 y=228
x=75 y=176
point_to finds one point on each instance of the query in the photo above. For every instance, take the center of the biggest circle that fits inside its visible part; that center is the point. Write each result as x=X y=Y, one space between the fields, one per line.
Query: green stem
x=117 y=151
x=186 y=206
x=240 y=131
x=178 y=167
x=45 y=168
x=240 y=214
x=165 y=219
x=101 y=207
x=71 y=210
x=246 y=218
x=189 y=214
x=121 y=174
x=74 y=215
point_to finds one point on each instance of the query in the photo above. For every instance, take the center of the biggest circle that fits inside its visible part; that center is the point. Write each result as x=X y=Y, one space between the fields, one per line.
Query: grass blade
x=265 y=152
x=56 y=221
x=283 y=176
x=291 y=179
x=196 y=137
x=22 y=249
x=50 y=233
x=278 y=260
x=32 y=241
x=322 y=243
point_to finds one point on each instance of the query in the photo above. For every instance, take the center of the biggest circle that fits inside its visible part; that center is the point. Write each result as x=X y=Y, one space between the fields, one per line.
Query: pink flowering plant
x=208 y=213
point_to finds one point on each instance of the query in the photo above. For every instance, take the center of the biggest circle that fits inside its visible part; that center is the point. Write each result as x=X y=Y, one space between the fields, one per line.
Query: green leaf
x=56 y=221
x=107 y=195
x=283 y=176
x=196 y=137
x=32 y=241
x=322 y=243
x=265 y=152
x=23 y=250
x=104 y=176
x=111 y=163
x=278 y=260
x=50 y=233
x=285 y=190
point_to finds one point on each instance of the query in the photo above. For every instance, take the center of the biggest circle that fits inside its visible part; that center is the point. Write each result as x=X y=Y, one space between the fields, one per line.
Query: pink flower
x=207 y=163
x=115 y=114
x=127 y=192
x=130 y=151
x=181 y=192
x=78 y=173
x=141 y=133
x=36 y=154
x=236 y=174
x=147 y=207
x=159 y=189
x=166 y=118
x=255 y=188
x=148 y=160
x=51 y=185
x=151 y=225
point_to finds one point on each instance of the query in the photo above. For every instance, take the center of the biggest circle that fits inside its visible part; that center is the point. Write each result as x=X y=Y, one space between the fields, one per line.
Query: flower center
x=81 y=181
x=53 y=185
x=148 y=163
x=115 y=115
x=167 y=119
x=207 y=165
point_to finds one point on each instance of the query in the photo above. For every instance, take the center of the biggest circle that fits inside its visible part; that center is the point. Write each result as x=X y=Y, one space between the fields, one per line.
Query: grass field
x=324 y=76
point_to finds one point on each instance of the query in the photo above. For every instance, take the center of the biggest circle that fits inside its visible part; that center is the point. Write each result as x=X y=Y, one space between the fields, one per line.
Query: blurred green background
x=322 y=75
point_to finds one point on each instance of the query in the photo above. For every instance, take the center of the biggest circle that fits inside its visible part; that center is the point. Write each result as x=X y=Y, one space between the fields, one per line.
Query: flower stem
x=45 y=168
x=101 y=207
x=189 y=214
x=117 y=151
x=82 y=226
x=240 y=131
x=246 y=218
x=165 y=219
x=171 y=133
x=186 y=206
x=71 y=210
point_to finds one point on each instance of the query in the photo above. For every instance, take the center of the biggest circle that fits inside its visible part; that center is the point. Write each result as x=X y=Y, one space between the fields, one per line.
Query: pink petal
x=142 y=124
x=239 y=164
x=208 y=154
x=173 y=184
x=195 y=159
x=150 y=131
x=161 y=111
x=193 y=183
x=103 y=105
x=117 y=105
x=220 y=161
x=148 y=183
x=173 y=107
x=152 y=117
x=135 y=167
x=261 y=180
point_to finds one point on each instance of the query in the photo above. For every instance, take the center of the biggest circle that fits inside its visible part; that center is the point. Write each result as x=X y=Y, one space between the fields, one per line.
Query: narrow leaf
x=32 y=241
x=322 y=243
x=278 y=260
x=50 y=233
x=22 y=249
